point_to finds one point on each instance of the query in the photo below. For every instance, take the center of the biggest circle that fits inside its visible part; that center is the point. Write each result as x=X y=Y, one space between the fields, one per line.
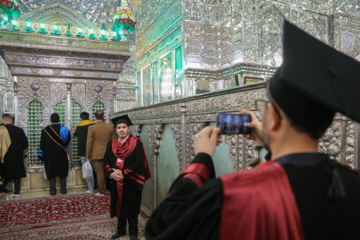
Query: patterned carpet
x=66 y=217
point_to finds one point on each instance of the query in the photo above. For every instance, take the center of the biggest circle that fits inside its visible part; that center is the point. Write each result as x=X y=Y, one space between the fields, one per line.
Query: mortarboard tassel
x=336 y=189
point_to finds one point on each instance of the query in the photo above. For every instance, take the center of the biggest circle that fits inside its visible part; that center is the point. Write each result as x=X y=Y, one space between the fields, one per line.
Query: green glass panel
x=97 y=106
x=35 y=125
x=146 y=85
x=60 y=109
x=178 y=73
x=76 y=111
x=138 y=91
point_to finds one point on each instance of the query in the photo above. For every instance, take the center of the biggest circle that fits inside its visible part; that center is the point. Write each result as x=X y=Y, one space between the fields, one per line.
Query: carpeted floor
x=66 y=217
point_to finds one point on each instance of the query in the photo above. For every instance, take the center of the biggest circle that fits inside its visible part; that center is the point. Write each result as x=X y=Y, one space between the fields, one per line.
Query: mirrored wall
x=161 y=80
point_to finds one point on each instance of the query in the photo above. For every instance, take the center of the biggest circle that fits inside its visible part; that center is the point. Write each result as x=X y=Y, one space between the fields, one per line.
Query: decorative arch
x=97 y=106
x=56 y=13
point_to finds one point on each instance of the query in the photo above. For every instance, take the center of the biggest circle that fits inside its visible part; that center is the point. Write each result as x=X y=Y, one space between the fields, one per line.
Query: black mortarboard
x=315 y=81
x=122 y=119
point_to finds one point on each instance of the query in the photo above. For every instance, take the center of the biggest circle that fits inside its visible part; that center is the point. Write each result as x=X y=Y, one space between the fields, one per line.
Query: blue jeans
x=90 y=182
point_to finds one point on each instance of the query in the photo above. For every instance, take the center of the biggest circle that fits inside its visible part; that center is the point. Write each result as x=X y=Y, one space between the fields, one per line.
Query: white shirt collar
x=124 y=140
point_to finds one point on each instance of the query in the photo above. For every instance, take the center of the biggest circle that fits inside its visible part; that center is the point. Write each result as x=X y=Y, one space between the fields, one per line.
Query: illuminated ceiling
x=95 y=11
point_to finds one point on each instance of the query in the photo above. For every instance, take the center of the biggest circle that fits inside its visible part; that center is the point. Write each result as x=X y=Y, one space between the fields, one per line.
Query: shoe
x=99 y=194
x=88 y=191
x=133 y=237
x=117 y=235
x=14 y=195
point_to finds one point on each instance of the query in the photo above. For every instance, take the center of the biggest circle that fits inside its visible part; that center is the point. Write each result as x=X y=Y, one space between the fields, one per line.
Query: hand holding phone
x=233 y=123
x=207 y=140
x=256 y=128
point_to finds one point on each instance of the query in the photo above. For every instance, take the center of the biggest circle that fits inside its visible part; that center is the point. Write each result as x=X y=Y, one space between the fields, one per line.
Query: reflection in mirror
x=155 y=81
x=202 y=86
x=166 y=78
x=146 y=85
x=138 y=90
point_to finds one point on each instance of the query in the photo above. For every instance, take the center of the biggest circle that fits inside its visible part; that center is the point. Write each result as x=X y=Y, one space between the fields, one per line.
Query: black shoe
x=6 y=190
x=133 y=238
x=117 y=235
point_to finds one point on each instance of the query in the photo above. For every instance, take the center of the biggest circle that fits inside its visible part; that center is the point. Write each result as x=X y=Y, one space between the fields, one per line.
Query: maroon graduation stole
x=259 y=205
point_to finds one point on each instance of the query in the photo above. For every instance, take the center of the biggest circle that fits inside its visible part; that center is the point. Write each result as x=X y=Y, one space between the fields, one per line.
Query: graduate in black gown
x=300 y=193
x=126 y=168
x=14 y=166
x=53 y=143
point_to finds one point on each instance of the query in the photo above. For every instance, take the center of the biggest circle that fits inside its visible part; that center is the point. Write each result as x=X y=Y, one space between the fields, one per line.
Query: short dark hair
x=55 y=118
x=84 y=116
x=99 y=115
x=7 y=117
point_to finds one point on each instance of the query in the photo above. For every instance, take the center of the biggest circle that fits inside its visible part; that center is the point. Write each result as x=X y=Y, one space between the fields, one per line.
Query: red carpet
x=53 y=210
x=66 y=217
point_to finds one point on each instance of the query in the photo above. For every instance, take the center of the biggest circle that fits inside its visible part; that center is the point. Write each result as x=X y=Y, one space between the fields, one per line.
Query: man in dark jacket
x=54 y=139
x=81 y=132
x=14 y=167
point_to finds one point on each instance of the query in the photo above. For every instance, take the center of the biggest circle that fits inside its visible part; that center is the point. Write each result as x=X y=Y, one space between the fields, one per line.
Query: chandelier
x=9 y=9
x=124 y=20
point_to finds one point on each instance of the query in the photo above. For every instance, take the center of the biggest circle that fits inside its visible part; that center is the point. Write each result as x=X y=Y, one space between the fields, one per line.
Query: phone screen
x=233 y=123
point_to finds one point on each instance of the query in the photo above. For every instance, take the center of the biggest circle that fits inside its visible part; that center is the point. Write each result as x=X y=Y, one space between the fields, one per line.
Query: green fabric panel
x=147 y=194
x=168 y=163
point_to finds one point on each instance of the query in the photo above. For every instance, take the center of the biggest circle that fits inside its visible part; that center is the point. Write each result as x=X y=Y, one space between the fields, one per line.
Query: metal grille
x=60 y=109
x=97 y=106
x=35 y=126
x=76 y=110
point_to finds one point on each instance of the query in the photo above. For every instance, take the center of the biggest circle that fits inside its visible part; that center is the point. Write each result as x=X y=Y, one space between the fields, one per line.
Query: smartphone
x=233 y=123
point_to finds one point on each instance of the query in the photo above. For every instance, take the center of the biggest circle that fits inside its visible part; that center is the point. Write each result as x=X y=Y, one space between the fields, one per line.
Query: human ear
x=275 y=120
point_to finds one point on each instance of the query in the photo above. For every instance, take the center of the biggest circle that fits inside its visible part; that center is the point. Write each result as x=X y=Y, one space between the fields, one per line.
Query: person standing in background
x=14 y=167
x=98 y=136
x=81 y=132
x=53 y=142
x=5 y=143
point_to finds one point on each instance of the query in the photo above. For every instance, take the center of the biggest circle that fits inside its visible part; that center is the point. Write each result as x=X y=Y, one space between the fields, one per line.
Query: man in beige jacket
x=98 y=136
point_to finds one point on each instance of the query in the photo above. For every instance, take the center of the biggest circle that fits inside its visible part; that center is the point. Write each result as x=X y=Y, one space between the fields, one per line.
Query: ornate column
x=68 y=122
x=16 y=103
x=183 y=133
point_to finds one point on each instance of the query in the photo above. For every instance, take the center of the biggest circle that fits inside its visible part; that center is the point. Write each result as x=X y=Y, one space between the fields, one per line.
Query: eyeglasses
x=261 y=105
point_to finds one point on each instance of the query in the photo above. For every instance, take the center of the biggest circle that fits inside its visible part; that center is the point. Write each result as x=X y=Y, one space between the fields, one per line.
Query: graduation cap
x=315 y=81
x=122 y=119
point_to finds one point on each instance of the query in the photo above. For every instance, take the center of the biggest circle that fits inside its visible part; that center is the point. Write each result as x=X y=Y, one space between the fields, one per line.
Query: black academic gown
x=54 y=156
x=14 y=158
x=132 y=187
x=194 y=212
x=81 y=132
